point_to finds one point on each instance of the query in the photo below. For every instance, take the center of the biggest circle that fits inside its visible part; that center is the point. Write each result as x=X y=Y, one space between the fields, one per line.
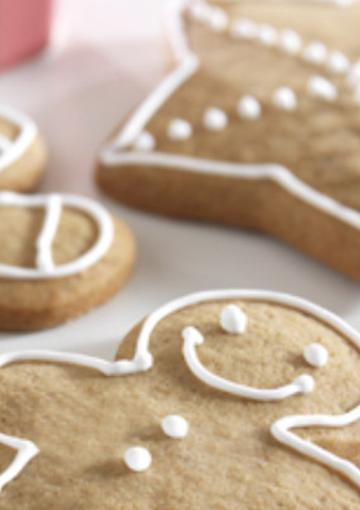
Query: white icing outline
x=26 y=451
x=53 y=204
x=142 y=361
x=111 y=156
x=193 y=337
x=281 y=431
x=12 y=150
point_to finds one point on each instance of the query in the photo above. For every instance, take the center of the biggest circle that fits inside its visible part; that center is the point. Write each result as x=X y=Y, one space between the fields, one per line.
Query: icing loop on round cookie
x=318 y=86
x=316 y=52
x=233 y=320
x=12 y=150
x=45 y=268
x=179 y=129
x=285 y=98
x=249 y=108
x=215 y=119
x=192 y=337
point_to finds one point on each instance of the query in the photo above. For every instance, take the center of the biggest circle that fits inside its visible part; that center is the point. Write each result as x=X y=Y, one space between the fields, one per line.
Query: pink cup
x=24 y=29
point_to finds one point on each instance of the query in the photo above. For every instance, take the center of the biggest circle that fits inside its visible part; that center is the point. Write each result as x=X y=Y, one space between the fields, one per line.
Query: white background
x=105 y=56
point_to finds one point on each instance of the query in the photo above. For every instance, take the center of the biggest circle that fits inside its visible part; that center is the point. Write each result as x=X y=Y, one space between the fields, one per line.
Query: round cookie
x=60 y=255
x=256 y=127
x=260 y=425
x=23 y=155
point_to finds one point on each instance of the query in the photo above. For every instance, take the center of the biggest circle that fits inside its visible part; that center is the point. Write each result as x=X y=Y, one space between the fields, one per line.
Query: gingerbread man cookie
x=217 y=398
x=258 y=126
x=60 y=255
x=22 y=151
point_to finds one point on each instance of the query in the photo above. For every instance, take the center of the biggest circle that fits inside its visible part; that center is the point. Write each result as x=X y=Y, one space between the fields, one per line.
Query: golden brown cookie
x=219 y=400
x=60 y=255
x=23 y=154
x=258 y=126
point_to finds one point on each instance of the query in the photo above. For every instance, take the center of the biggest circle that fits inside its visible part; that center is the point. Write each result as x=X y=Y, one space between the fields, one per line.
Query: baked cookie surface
x=60 y=255
x=23 y=155
x=258 y=126
x=268 y=384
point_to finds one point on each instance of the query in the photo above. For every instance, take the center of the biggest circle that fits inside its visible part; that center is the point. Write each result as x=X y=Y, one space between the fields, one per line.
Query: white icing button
x=306 y=383
x=244 y=28
x=137 y=459
x=290 y=41
x=144 y=142
x=175 y=426
x=267 y=35
x=316 y=355
x=338 y=62
x=233 y=320
x=215 y=119
x=322 y=88
x=316 y=52
x=179 y=129
x=249 y=107
x=218 y=20
x=285 y=98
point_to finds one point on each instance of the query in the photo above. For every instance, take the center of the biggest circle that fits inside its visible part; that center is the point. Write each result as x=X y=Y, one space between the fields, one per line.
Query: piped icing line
x=14 y=149
x=53 y=204
x=281 y=430
x=26 y=451
x=192 y=337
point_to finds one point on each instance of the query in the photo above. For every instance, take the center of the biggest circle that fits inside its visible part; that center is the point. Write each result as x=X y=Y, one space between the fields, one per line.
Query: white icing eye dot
x=175 y=426
x=137 y=459
x=322 y=88
x=244 y=29
x=192 y=334
x=215 y=119
x=316 y=355
x=218 y=20
x=290 y=41
x=316 y=52
x=179 y=129
x=233 y=320
x=267 y=35
x=338 y=62
x=306 y=383
x=249 y=108
x=144 y=142
x=285 y=98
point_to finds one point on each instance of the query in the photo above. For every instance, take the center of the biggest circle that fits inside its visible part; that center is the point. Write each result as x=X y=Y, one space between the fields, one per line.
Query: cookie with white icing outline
x=23 y=154
x=255 y=422
x=60 y=255
x=257 y=126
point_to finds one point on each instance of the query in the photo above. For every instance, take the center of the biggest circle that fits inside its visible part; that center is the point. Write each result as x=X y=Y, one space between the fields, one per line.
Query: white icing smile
x=53 y=204
x=192 y=337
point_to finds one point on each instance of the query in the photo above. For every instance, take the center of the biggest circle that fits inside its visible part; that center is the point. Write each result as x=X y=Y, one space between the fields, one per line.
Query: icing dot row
x=316 y=52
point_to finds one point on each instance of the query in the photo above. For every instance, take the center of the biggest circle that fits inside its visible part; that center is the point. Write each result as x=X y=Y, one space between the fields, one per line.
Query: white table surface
x=104 y=59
